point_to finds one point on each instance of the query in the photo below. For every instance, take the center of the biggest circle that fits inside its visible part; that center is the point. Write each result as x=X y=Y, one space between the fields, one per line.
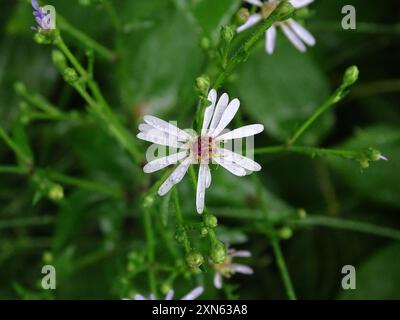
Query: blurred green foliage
x=95 y=236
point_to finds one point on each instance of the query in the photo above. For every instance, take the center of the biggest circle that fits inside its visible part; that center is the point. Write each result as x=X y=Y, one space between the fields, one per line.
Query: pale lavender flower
x=227 y=268
x=295 y=32
x=192 y=295
x=200 y=148
x=43 y=19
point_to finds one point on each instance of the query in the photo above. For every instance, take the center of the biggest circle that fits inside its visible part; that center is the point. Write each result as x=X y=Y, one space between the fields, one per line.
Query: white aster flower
x=192 y=295
x=227 y=268
x=295 y=32
x=200 y=148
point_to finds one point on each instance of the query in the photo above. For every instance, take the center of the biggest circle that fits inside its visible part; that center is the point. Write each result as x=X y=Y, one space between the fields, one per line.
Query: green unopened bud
x=46 y=37
x=364 y=164
x=351 y=76
x=302 y=213
x=194 y=259
x=375 y=155
x=203 y=84
x=242 y=15
x=148 y=201
x=285 y=233
x=165 y=287
x=204 y=232
x=70 y=75
x=227 y=33
x=56 y=192
x=205 y=43
x=286 y=10
x=180 y=235
x=59 y=60
x=218 y=252
x=20 y=88
x=47 y=257
x=210 y=221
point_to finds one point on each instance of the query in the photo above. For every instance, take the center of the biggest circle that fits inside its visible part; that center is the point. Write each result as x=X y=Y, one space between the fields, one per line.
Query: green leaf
x=283 y=90
x=380 y=182
x=158 y=65
x=378 y=277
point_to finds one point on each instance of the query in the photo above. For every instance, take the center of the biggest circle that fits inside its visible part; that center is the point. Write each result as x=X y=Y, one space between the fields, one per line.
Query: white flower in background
x=192 y=295
x=200 y=148
x=227 y=268
x=295 y=32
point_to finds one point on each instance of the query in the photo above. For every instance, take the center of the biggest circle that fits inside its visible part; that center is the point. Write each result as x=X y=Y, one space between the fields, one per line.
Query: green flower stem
x=311 y=151
x=283 y=269
x=283 y=12
x=350 y=77
x=180 y=221
x=150 y=249
x=101 y=106
x=345 y=224
x=14 y=147
x=13 y=170
x=85 y=39
x=84 y=184
x=271 y=234
x=26 y=222
x=109 y=6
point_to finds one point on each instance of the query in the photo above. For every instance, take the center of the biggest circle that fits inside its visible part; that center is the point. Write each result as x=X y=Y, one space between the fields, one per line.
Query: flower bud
x=242 y=15
x=56 y=192
x=204 y=231
x=350 y=76
x=205 y=43
x=302 y=213
x=203 y=84
x=165 y=287
x=210 y=221
x=286 y=10
x=70 y=75
x=20 y=88
x=285 y=233
x=218 y=252
x=194 y=259
x=59 y=60
x=148 y=201
x=364 y=164
x=227 y=33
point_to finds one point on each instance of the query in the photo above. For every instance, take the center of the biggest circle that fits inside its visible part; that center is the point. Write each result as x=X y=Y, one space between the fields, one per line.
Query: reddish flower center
x=203 y=148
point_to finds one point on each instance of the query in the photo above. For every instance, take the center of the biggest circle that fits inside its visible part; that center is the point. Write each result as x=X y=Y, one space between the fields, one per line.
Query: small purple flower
x=42 y=18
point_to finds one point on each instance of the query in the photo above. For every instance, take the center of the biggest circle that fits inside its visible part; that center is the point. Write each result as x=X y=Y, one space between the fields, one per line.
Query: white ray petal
x=219 y=111
x=163 y=162
x=257 y=3
x=144 y=127
x=139 y=297
x=238 y=159
x=270 y=40
x=201 y=188
x=293 y=38
x=208 y=177
x=167 y=127
x=242 y=132
x=170 y=295
x=175 y=177
x=300 y=3
x=208 y=113
x=194 y=294
x=230 y=166
x=227 y=117
x=161 y=139
x=302 y=32
x=240 y=268
x=152 y=297
x=218 y=280
x=251 y=21
x=241 y=254
x=381 y=157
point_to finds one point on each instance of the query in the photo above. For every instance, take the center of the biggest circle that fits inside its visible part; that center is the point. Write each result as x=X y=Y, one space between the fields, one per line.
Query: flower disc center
x=203 y=148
